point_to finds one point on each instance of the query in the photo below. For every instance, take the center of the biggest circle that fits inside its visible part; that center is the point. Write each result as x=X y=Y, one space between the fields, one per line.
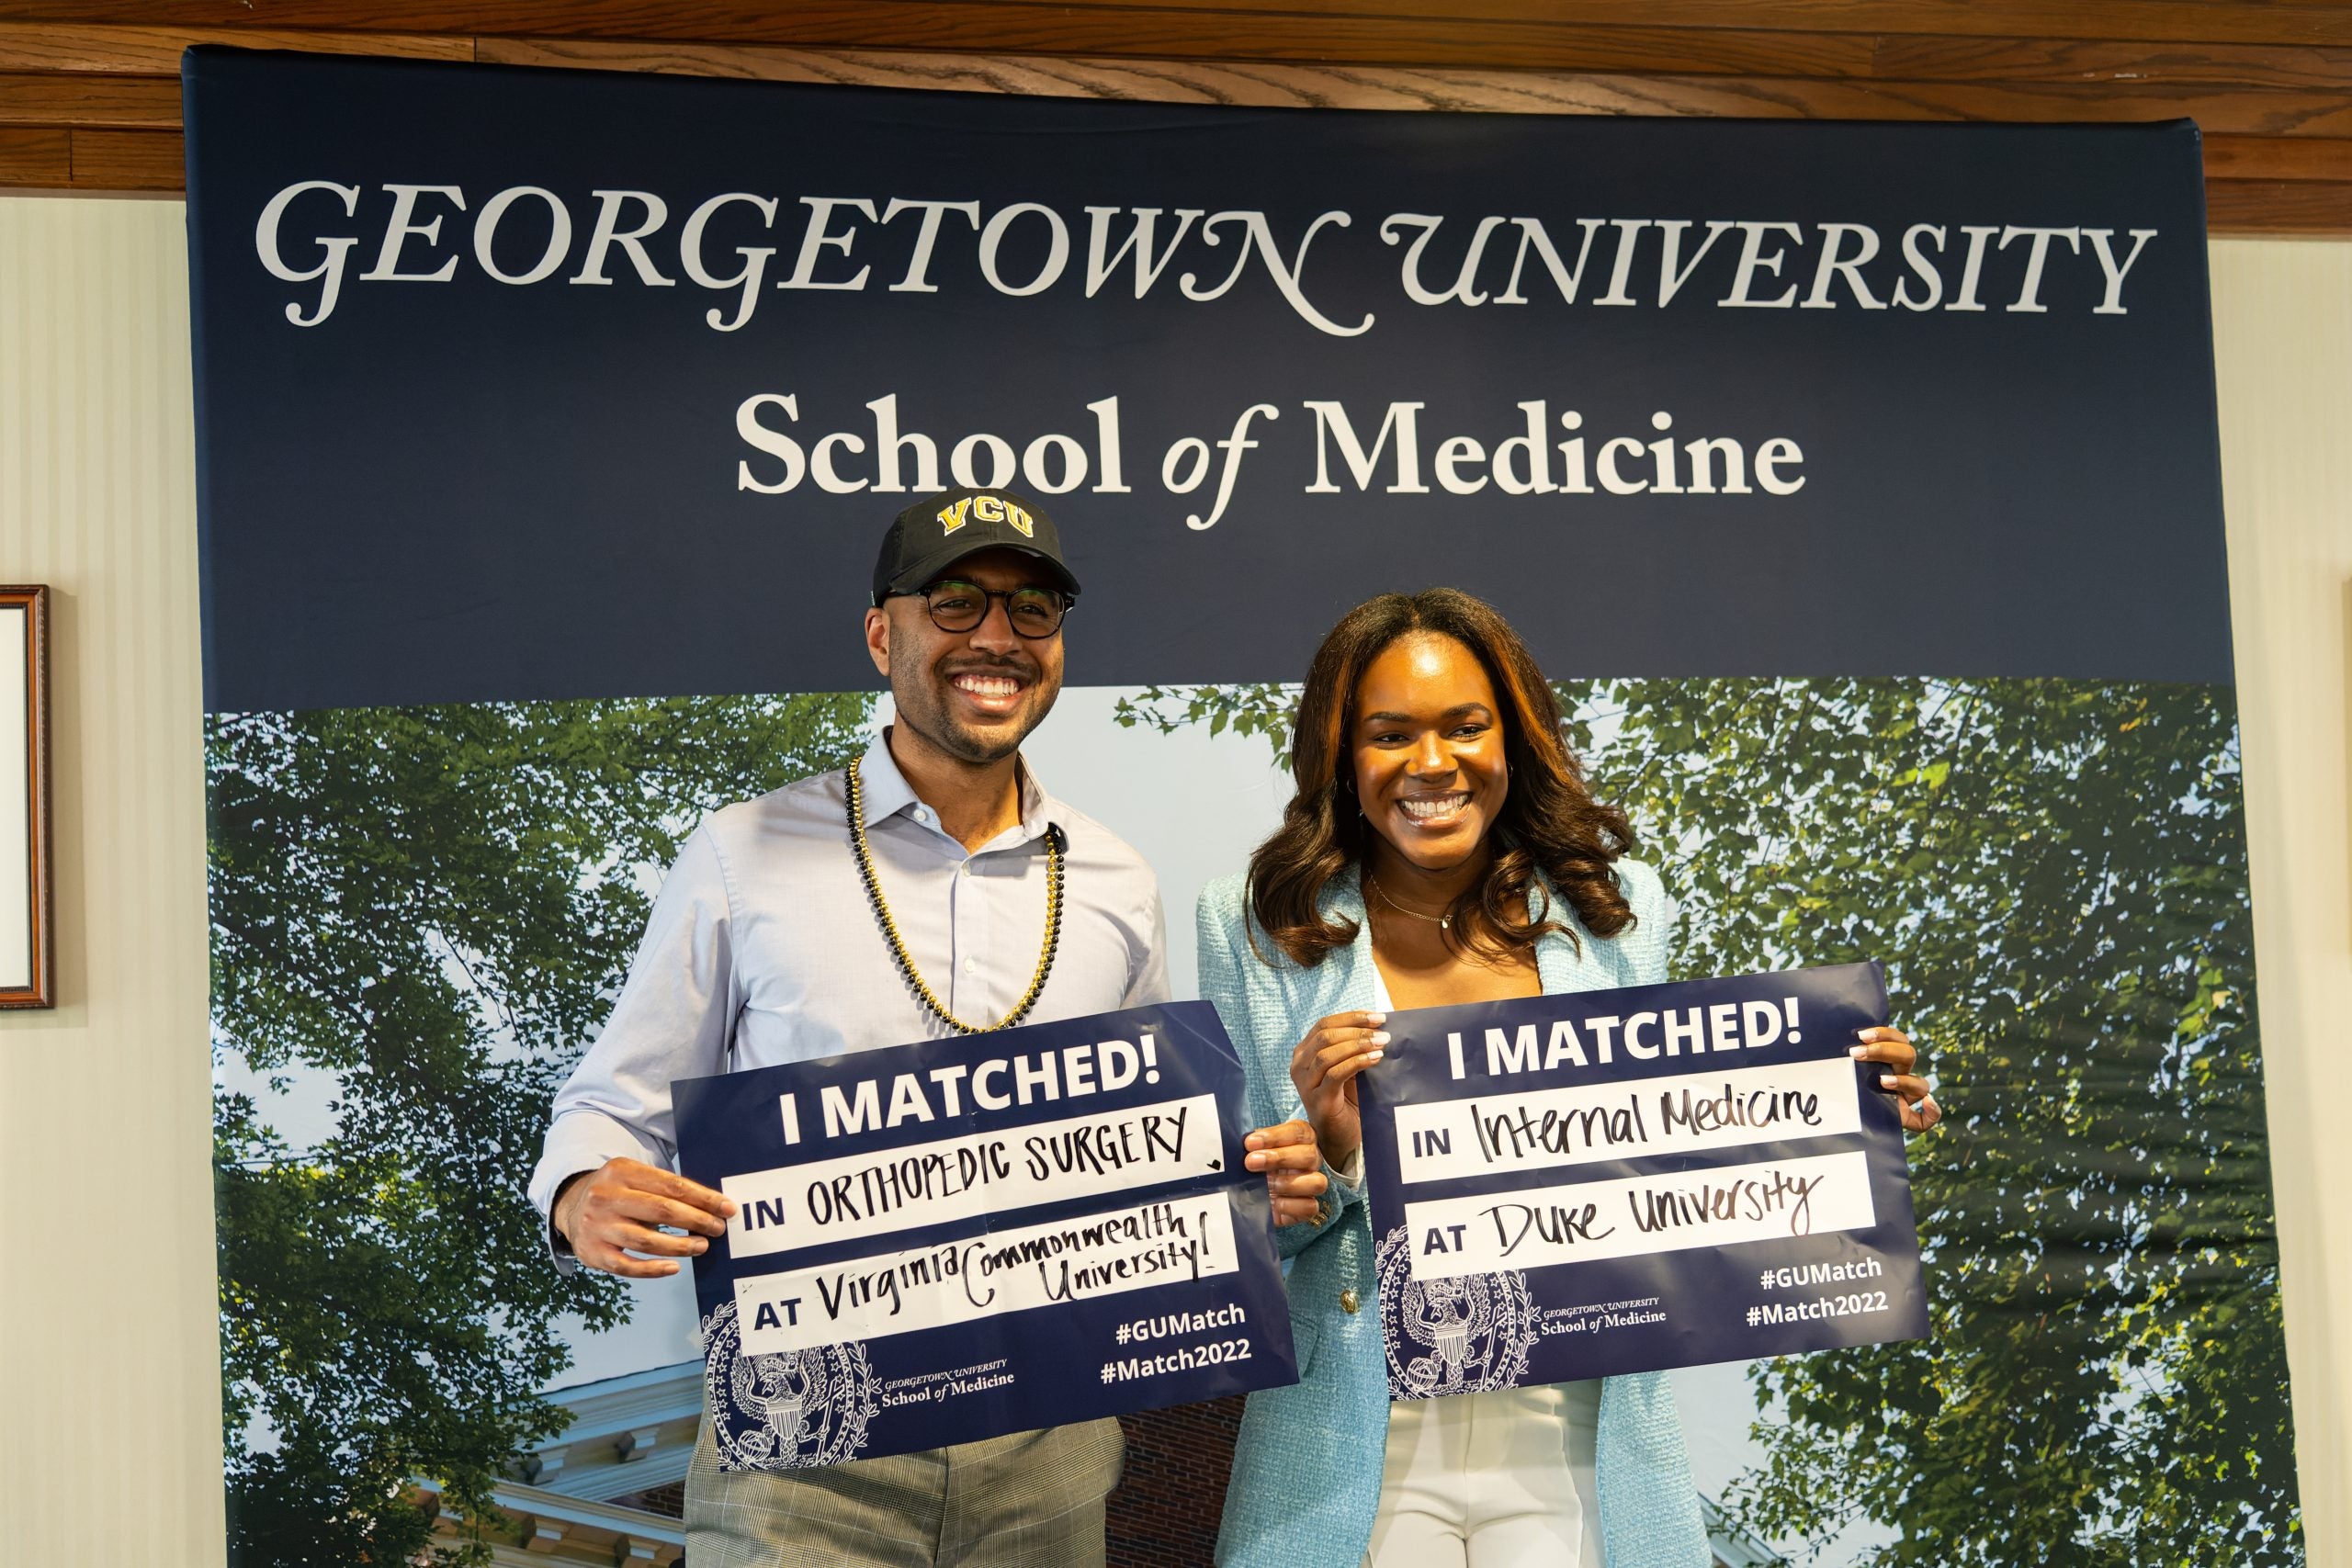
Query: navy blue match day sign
x=1626 y=1180
x=947 y=1241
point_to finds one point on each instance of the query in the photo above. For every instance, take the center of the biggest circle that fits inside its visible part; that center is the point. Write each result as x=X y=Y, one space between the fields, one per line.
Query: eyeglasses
x=957 y=607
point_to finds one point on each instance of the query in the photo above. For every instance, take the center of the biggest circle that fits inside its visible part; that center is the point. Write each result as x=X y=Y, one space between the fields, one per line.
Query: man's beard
x=931 y=716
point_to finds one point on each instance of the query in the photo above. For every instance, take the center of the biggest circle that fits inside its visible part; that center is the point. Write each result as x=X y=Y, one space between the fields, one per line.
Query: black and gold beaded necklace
x=898 y=944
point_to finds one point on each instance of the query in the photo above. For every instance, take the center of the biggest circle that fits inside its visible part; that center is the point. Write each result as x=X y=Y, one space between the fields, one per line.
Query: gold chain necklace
x=1442 y=922
x=898 y=944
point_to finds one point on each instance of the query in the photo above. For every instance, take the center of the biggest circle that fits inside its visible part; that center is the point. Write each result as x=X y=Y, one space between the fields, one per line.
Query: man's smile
x=996 y=693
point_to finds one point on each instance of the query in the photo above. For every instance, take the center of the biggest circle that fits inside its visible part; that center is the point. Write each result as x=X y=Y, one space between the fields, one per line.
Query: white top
x=1492 y=1479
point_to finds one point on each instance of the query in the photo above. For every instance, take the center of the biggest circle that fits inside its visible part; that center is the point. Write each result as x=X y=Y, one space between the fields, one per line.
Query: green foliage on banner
x=2054 y=874
x=432 y=909
x=1262 y=709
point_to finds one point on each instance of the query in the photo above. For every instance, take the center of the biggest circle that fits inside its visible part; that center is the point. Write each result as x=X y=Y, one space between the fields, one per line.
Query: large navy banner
x=1623 y=1181
x=1857 y=485
x=524 y=384
x=948 y=1241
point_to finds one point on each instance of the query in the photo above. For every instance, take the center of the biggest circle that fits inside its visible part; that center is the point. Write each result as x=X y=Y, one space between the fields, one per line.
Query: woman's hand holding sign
x=617 y=1210
x=1894 y=1048
x=1323 y=1068
x=1294 y=1168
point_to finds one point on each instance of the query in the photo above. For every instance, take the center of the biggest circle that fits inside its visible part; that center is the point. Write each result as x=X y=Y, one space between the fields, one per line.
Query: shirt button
x=922 y=815
x=962 y=868
x=971 y=965
x=1349 y=1301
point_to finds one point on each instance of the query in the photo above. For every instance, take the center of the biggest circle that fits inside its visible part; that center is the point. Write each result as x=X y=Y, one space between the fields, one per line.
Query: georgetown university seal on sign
x=1466 y=1335
x=787 y=1411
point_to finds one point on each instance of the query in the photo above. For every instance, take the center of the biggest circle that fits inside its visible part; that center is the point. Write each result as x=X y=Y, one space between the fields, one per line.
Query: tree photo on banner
x=430 y=909
x=1857 y=484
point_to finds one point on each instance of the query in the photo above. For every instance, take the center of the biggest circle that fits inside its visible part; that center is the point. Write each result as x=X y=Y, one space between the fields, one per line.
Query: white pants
x=1498 y=1480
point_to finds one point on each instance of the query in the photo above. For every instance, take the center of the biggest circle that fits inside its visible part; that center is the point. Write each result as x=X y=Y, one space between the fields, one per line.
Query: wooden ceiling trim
x=36 y=98
x=2087 y=68
x=2248 y=111
x=2302 y=210
x=130 y=160
x=2277 y=158
x=1400 y=30
x=155 y=51
x=2247 y=116
x=121 y=51
x=37 y=160
x=93 y=106
x=2120 y=66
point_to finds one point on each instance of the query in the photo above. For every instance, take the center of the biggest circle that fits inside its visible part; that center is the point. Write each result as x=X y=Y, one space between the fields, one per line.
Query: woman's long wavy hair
x=1549 y=824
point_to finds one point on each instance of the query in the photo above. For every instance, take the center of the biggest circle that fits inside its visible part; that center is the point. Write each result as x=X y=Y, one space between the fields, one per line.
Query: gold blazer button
x=1349 y=1301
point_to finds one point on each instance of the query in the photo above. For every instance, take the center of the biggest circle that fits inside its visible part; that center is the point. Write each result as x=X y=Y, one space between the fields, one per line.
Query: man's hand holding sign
x=626 y=1207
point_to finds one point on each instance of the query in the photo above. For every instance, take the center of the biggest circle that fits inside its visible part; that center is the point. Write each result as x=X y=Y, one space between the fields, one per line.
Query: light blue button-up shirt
x=762 y=949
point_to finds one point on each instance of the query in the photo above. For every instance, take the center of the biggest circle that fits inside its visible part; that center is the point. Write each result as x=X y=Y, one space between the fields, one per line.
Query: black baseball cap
x=932 y=535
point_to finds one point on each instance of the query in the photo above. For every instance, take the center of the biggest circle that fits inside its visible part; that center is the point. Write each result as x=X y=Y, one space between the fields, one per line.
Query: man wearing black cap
x=904 y=897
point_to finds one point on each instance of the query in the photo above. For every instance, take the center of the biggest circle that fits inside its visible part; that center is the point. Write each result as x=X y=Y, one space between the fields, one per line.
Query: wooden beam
x=2119 y=65
x=38 y=159
x=155 y=51
x=96 y=106
x=130 y=159
x=37 y=99
x=134 y=51
x=2244 y=111
x=2277 y=158
x=2250 y=207
x=1473 y=31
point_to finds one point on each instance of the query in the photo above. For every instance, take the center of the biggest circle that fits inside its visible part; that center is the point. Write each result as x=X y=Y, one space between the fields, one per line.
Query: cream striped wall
x=110 y=1449
x=2282 y=338
x=109 y=1385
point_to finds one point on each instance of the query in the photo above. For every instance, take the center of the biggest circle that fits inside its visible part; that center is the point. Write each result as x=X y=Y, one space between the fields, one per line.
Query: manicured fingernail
x=1374 y=1055
x=1379 y=1037
x=1886 y=1081
x=1859 y=1052
x=1377 y=1017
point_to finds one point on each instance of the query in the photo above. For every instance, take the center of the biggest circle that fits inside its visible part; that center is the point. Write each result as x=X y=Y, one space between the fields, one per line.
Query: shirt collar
x=886 y=792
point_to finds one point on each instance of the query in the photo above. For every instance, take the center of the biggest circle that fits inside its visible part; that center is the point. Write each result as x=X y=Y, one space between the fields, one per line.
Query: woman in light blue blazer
x=1440 y=848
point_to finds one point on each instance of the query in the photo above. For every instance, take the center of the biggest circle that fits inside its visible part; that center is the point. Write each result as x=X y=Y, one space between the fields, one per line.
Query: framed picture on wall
x=27 y=928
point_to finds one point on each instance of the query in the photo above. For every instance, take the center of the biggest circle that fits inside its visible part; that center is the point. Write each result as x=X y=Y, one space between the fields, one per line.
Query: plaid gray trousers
x=1029 y=1500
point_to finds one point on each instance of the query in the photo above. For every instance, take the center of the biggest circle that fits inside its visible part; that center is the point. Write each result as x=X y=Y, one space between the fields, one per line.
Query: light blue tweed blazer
x=1306 y=1468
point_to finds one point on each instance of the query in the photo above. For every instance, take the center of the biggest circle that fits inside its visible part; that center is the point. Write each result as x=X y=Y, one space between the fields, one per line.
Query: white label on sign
x=1159 y=1242
x=1444 y=1140
x=997 y=1172
x=1540 y=1226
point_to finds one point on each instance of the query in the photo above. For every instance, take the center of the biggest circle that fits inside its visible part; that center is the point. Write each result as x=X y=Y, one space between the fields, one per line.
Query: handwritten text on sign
x=975 y=1173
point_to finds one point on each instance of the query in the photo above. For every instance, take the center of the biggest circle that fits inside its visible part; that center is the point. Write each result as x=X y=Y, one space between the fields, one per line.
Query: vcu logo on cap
x=986 y=509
